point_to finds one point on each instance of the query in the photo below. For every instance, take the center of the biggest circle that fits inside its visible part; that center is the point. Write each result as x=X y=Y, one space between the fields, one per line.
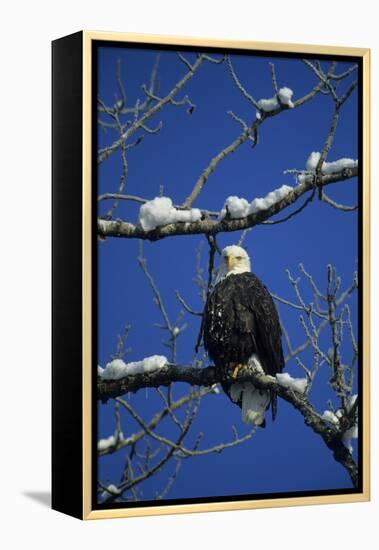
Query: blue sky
x=286 y=456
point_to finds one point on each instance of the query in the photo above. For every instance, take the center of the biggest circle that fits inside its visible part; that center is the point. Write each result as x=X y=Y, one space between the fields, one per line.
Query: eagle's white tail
x=254 y=401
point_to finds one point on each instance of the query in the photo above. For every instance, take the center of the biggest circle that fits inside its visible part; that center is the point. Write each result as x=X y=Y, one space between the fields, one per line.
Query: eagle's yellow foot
x=236 y=370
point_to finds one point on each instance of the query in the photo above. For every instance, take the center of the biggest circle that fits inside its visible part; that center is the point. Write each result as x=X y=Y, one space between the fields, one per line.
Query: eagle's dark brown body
x=240 y=319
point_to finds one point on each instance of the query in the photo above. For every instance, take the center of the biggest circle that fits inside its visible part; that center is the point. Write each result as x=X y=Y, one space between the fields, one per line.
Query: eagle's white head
x=234 y=260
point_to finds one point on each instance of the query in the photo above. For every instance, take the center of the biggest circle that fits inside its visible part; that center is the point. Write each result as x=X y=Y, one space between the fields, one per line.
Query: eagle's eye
x=238 y=257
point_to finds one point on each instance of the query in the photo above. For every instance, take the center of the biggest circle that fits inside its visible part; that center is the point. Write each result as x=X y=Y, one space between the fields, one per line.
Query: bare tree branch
x=104 y=154
x=132 y=439
x=237 y=82
x=179 y=447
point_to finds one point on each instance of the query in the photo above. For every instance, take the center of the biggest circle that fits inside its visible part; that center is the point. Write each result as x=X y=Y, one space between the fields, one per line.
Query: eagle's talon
x=236 y=370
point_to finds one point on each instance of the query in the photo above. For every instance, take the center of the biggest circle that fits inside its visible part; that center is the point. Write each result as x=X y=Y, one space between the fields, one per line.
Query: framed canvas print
x=210 y=275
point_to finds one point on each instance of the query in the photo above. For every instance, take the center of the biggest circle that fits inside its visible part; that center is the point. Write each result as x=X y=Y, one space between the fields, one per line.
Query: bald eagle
x=241 y=327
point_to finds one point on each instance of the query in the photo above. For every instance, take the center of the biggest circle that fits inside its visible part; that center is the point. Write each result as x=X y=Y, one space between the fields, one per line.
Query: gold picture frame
x=77 y=429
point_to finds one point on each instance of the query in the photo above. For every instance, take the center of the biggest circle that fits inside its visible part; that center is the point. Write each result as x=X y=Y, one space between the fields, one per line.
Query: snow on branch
x=208 y=376
x=109 y=442
x=115 y=386
x=122 y=229
x=337 y=427
x=117 y=369
x=110 y=491
x=337 y=418
x=160 y=211
x=296 y=384
x=283 y=97
x=237 y=207
x=327 y=168
x=266 y=108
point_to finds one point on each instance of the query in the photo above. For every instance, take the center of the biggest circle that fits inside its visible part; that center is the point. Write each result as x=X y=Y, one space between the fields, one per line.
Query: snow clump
x=284 y=97
x=110 y=441
x=334 y=418
x=327 y=167
x=298 y=385
x=240 y=208
x=161 y=211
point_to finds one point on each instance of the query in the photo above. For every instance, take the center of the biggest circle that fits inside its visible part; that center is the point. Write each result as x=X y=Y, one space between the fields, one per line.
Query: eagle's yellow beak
x=231 y=261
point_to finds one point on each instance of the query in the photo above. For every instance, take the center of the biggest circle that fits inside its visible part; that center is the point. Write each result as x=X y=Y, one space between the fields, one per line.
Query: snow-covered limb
x=110 y=388
x=107 y=389
x=121 y=229
x=329 y=167
x=161 y=211
x=117 y=369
